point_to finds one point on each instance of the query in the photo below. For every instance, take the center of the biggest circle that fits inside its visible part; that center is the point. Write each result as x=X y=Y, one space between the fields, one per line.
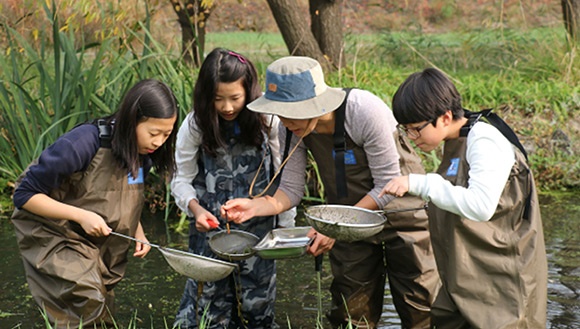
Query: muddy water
x=150 y=293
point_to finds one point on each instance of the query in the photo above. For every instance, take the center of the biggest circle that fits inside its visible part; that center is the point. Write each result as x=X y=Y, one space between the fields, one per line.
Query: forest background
x=68 y=61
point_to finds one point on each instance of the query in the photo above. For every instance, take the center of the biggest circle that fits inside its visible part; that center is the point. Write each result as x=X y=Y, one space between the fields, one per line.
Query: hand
x=239 y=210
x=320 y=244
x=203 y=218
x=206 y=221
x=94 y=225
x=213 y=224
x=397 y=186
x=141 y=249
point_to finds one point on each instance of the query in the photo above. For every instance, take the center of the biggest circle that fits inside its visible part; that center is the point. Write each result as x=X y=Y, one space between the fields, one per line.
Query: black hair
x=225 y=66
x=148 y=98
x=425 y=96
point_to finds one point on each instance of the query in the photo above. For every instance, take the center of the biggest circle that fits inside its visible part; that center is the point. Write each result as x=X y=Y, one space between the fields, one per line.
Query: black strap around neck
x=339 y=141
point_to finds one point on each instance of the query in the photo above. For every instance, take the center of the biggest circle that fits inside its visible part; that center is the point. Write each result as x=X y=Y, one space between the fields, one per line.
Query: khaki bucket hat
x=295 y=89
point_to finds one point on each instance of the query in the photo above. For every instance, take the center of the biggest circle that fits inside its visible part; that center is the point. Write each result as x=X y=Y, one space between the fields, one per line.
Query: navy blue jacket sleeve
x=72 y=152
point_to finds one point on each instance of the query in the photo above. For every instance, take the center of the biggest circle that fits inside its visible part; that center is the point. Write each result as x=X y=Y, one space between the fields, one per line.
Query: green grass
x=253 y=44
x=532 y=76
x=529 y=70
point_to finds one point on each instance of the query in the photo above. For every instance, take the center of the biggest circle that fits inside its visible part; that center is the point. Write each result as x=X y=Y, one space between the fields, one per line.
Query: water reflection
x=150 y=293
x=561 y=218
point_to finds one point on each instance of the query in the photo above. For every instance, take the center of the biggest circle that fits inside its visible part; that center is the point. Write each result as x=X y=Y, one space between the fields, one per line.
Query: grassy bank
x=530 y=76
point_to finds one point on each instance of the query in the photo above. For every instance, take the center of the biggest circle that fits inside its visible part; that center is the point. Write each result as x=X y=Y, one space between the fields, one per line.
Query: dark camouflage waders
x=245 y=299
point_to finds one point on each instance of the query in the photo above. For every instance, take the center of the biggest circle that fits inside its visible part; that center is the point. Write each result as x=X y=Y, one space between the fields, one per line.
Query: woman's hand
x=239 y=210
x=141 y=249
x=397 y=186
x=320 y=244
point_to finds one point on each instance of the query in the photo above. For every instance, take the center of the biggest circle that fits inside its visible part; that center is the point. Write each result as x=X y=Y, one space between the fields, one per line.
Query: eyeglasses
x=414 y=132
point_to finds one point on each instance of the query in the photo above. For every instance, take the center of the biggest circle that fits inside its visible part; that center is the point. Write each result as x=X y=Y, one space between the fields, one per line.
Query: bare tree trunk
x=571 y=11
x=326 y=18
x=298 y=38
x=192 y=17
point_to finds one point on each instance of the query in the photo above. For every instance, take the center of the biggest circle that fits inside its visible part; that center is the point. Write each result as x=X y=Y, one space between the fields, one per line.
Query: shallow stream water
x=150 y=293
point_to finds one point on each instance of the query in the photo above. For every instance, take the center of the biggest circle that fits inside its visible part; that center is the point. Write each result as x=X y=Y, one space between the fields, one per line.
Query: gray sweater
x=370 y=123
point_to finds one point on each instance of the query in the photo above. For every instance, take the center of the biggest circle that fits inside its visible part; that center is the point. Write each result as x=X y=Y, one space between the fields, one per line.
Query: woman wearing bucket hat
x=356 y=126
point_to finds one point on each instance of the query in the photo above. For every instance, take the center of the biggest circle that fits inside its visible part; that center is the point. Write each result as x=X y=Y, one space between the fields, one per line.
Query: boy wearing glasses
x=484 y=215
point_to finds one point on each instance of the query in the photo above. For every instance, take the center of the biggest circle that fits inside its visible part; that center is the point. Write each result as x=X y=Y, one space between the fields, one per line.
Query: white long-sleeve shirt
x=491 y=157
x=187 y=151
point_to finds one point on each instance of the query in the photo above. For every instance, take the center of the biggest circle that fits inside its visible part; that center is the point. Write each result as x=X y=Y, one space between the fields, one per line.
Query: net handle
x=135 y=239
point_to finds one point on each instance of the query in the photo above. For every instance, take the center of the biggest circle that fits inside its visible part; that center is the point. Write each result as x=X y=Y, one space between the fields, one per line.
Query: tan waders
x=402 y=250
x=494 y=273
x=70 y=274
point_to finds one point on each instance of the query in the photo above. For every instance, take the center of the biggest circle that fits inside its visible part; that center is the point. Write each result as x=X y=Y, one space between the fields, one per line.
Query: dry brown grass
x=377 y=15
x=99 y=19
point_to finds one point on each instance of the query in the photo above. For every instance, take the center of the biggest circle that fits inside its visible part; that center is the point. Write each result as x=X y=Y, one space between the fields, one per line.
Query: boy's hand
x=397 y=186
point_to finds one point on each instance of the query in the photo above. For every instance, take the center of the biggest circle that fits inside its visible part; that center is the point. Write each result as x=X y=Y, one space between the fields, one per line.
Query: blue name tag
x=349 y=157
x=138 y=180
x=453 y=167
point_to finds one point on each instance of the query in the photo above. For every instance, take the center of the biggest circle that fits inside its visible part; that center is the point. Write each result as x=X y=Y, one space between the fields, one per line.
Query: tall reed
x=48 y=88
x=45 y=91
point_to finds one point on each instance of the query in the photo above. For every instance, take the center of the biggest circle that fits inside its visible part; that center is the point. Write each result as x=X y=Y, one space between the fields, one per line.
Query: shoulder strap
x=339 y=141
x=105 y=133
x=495 y=121
x=507 y=131
x=287 y=145
x=472 y=118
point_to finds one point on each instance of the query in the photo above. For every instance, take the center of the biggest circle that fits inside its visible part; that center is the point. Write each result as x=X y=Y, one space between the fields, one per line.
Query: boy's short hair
x=425 y=96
